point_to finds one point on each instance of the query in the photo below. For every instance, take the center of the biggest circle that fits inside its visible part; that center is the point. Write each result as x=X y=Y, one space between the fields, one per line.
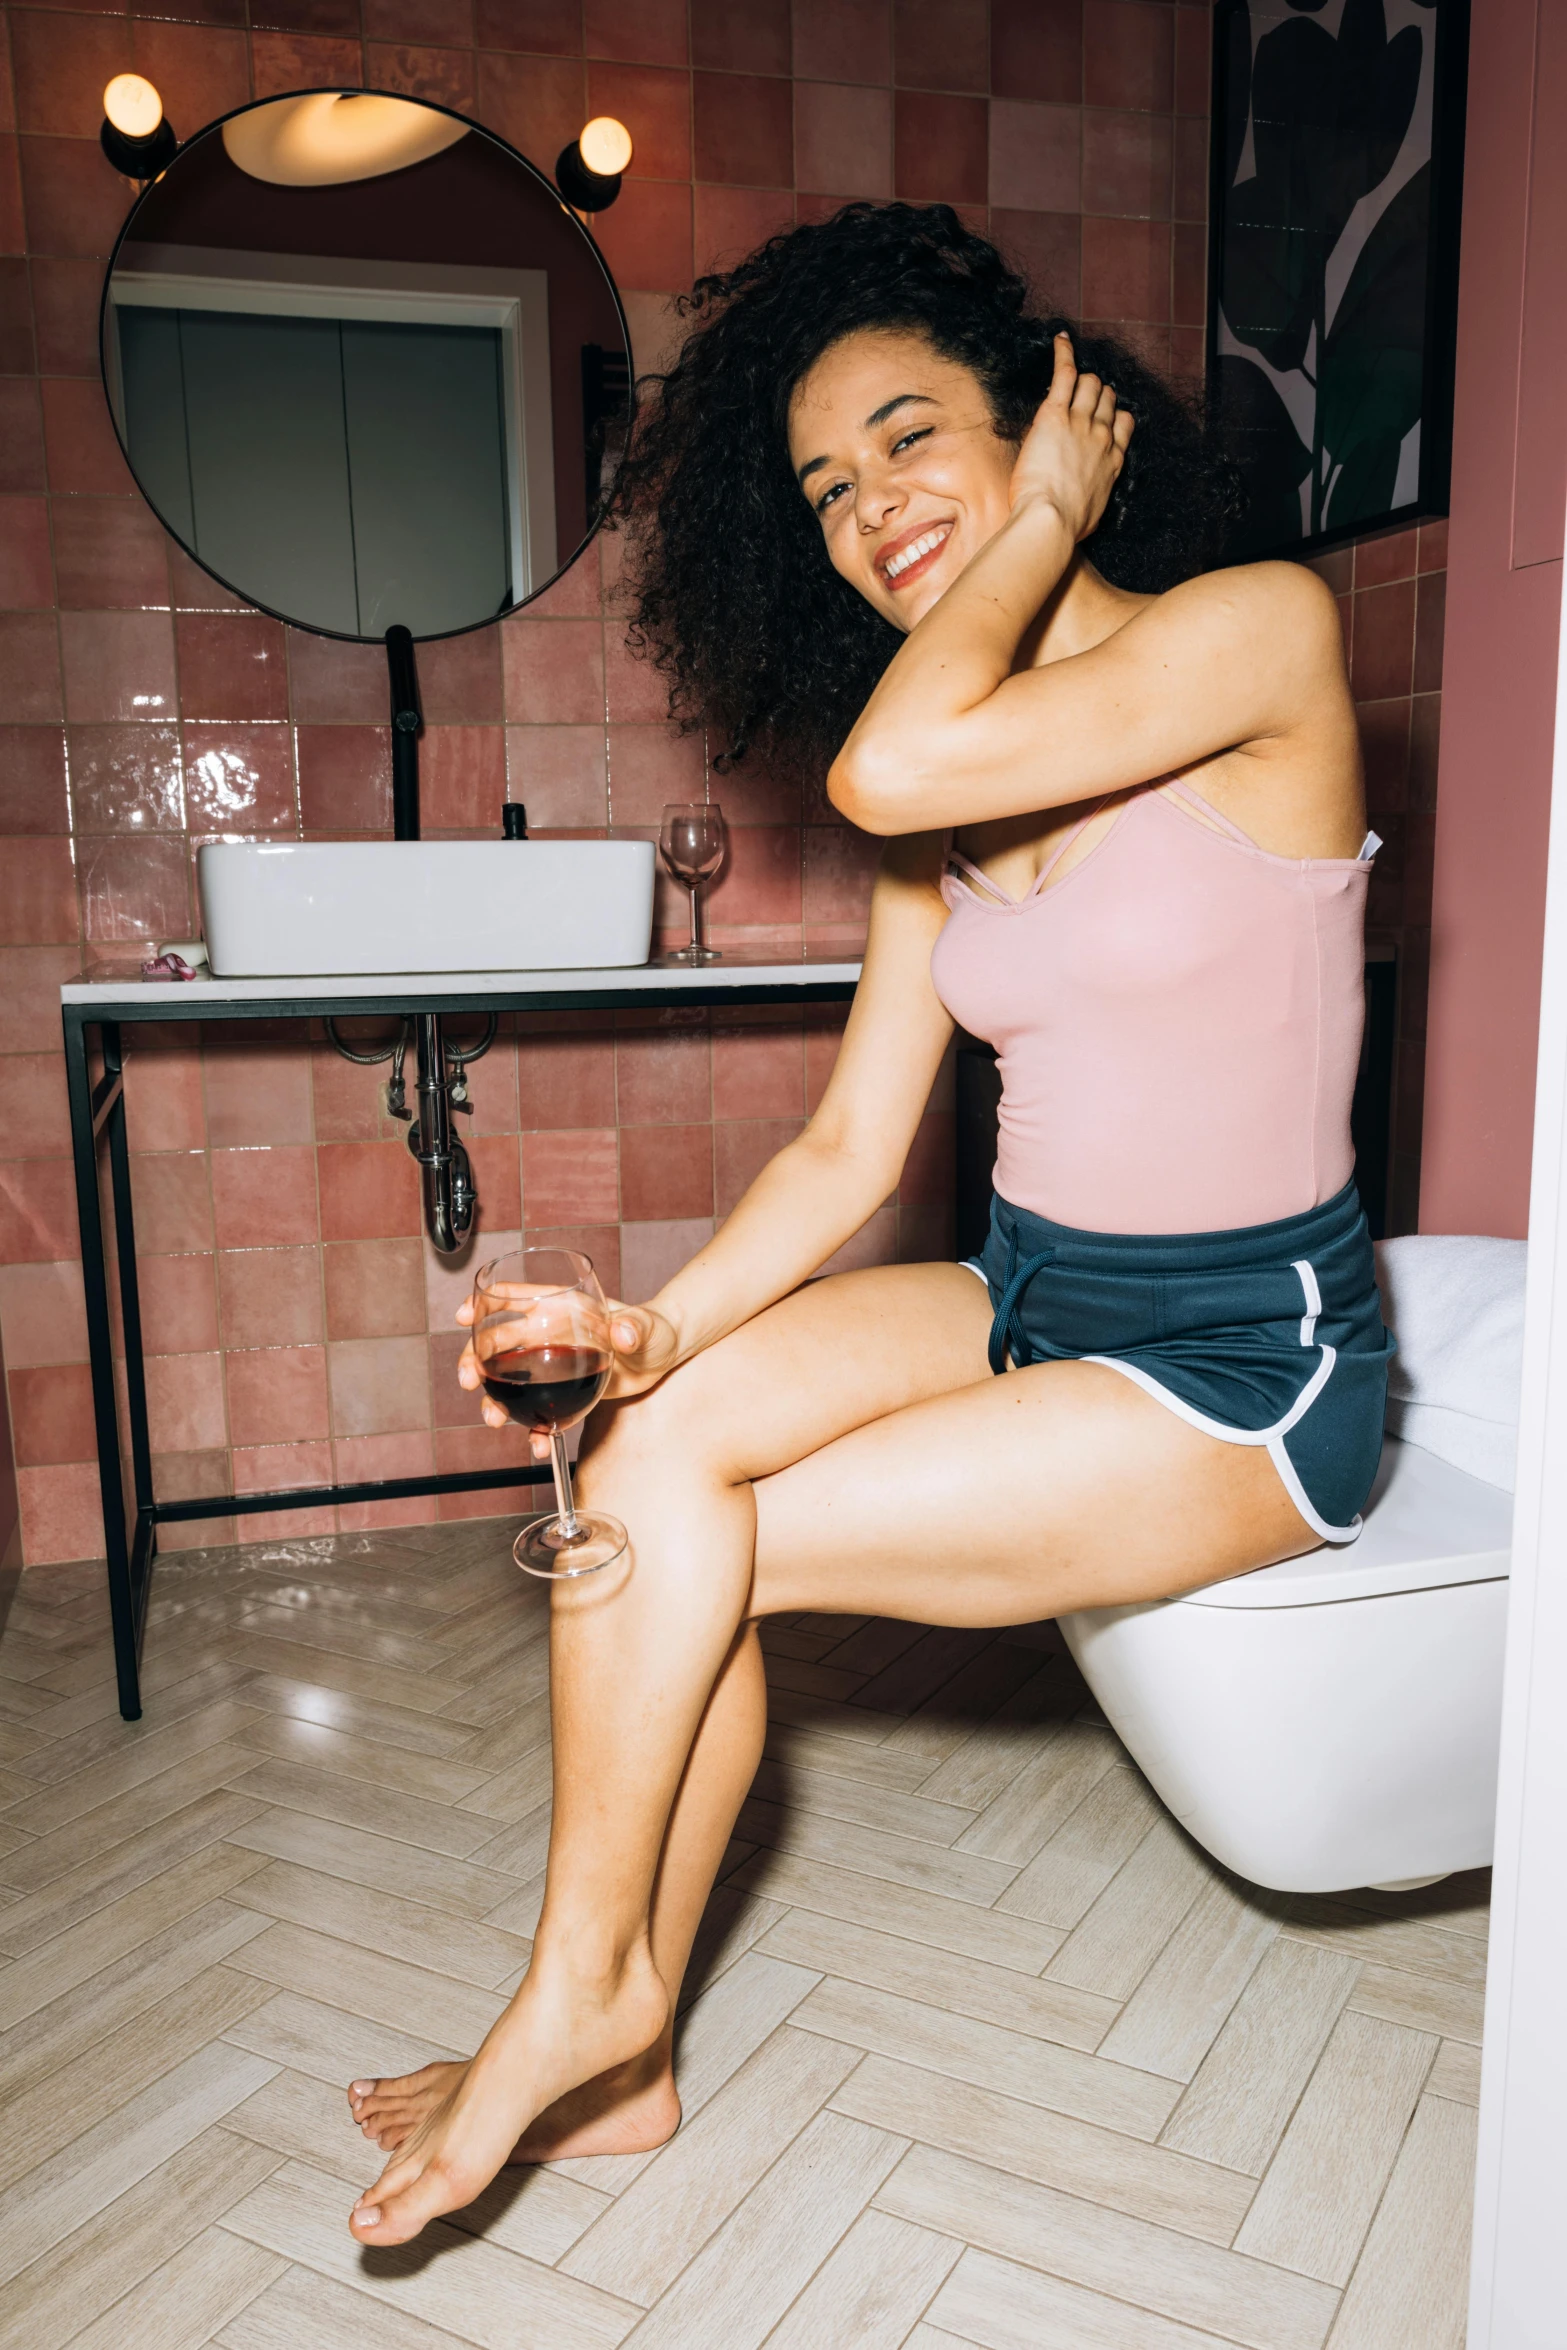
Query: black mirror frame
x=549 y=188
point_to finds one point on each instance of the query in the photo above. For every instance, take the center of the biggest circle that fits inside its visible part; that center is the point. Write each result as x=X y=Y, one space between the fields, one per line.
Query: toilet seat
x=1427 y=1525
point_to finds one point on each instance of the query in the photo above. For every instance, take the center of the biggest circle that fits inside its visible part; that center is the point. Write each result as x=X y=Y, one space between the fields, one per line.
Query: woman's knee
x=687 y=1418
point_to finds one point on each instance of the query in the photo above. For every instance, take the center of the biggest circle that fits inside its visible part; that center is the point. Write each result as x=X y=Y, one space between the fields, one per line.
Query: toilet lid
x=1427 y=1524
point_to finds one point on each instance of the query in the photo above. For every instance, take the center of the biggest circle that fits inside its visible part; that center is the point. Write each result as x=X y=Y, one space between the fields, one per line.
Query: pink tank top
x=1177 y=1022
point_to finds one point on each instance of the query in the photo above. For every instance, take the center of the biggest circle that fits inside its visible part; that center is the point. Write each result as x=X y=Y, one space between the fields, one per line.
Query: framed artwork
x=1337 y=163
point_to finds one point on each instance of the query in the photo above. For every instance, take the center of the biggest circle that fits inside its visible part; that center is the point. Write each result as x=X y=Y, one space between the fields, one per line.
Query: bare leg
x=634 y=2107
x=954 y=1498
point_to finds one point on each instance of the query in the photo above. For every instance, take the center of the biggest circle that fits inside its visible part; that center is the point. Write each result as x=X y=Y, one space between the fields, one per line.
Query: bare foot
x=631 y=2109
x=557 y=2034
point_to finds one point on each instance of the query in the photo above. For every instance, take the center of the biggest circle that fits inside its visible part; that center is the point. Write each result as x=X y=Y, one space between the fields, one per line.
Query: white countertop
x=670 y=979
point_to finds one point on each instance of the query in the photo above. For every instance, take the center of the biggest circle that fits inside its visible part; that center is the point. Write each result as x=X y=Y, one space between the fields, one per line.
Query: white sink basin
x=303 y=909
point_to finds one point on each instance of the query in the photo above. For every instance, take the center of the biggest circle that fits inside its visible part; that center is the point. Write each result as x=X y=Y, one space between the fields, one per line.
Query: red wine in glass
x=542 y=1348
x=546 y=1387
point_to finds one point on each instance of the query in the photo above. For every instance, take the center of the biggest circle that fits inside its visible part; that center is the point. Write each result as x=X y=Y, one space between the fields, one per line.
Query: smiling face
x=895 y=447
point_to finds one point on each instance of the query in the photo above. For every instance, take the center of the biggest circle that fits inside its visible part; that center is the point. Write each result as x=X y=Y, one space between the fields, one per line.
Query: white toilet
x=1332 y=1721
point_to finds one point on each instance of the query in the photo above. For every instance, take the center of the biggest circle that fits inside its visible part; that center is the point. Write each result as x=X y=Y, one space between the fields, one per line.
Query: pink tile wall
x=298 y=1326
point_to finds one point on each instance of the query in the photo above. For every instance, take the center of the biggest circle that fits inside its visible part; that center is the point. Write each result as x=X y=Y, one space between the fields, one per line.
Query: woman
x=1122 y=804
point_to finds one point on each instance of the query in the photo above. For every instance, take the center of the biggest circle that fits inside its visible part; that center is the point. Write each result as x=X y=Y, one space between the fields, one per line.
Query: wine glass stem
x=570 y=1523
x=696 y=917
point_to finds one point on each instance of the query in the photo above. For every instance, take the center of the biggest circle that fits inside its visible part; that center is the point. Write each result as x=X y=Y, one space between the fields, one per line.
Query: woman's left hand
x=1075 y=448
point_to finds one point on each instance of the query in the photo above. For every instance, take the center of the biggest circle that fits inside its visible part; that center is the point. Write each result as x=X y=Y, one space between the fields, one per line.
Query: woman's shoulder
x=1266 y=594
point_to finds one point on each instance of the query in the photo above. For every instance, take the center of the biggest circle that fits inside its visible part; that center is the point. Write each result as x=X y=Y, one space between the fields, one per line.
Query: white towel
x=1455 y=1305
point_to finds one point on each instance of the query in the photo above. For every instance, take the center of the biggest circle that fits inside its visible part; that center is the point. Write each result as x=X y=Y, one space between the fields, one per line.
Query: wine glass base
x=690 y=955
x=543 y=1549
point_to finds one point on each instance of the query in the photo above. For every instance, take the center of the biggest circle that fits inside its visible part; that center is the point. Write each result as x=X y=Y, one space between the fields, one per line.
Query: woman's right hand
x=646 y=1346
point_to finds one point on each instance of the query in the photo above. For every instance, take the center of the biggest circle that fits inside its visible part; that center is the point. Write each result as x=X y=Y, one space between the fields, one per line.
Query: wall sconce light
x=588 y=172
x=135 y=136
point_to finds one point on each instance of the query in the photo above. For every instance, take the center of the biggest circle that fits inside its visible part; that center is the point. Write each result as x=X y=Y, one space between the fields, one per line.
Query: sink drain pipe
x=446 y=1172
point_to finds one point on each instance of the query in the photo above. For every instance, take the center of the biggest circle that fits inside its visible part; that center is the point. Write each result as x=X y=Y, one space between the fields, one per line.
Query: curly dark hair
x=733 y=592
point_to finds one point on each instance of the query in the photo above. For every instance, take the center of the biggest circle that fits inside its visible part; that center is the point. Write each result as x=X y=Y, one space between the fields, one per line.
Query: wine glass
x=691 y=843
x=541 y=1341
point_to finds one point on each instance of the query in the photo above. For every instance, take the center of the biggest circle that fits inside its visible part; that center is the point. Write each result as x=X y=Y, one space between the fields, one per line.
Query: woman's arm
x=820 y=1188
x=952 y=737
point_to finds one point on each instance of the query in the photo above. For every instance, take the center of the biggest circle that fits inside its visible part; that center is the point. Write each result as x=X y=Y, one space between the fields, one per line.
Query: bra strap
x=1206 y=809
x=1056 y=855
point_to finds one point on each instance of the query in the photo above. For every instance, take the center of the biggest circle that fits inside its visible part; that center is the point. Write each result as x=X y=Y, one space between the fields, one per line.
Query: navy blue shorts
x=1272 y=1334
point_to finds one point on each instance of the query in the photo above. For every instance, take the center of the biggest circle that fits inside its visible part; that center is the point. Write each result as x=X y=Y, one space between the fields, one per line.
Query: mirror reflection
x=365 y=365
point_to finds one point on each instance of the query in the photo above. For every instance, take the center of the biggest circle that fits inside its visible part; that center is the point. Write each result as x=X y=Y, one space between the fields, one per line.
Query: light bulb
x=133 y=106
x=605 y=146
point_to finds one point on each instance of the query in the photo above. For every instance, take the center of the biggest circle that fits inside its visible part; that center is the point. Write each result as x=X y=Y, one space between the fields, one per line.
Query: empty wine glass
x=691 y=843
x=541 y=1341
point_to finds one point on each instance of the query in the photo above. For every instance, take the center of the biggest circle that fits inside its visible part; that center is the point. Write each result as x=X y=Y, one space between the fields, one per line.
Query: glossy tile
x=118 y=665
x=126 y=778
x=35 y=795
x=1036 y=156
x=109 y=551
x=743 y=129
x=647 y=238
x=265 y=1197
x=30 y=668
x=270 y=1296
x=239 y=778
x=276 y=1394
x=1036 y=49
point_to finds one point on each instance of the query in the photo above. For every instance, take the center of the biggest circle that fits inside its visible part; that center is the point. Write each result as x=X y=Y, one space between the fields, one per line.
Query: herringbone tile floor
x=980 y=2049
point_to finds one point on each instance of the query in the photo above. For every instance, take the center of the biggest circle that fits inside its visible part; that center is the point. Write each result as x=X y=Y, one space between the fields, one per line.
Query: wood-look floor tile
x=1174 y=2016
x=1052 y=2149
x=1036 y=2071
x=410 y=1871
x=72 y=1745
x=112 y=1825
x=976 y=1755
x=309 y=2036
x=14 y=1789
x=430 y=1777
x=1455 y=2011
x=47 y=2305
x=895 y=1909
x=1418 y=1948
x=304 y=2119
x=100 y=1782
x=1063 y=1770
x=1456 y=2073
x=520 y=1849
x=183 y=2303
x=874 y=1642
x=511 y=1740
x=743 y=2280
x=411 y=1999
x=303 y=2311
x=59 y=2030
x=662 y=2220
x=1323 y=2185
x=1460 y=1904
x=1065 y=1878
x=47 y=2116
x=108 y=1938
x=481 y=2292
x=361 y=1717
x=62 y=2193
x=356 y=1803
x=1116 y=1943
x=1246 y=2087
x=1174 y=2276
x=20 y=1746
x=865 y=2293
x=967 y=1986
x=384 y=1922
x=925 y=1668
x=844 y=1758
x=825 y=1714
x=1409 y=2288
x=62 y=1905
x=511 y=1794
x=901 y=1860
x=539 y=2213
x=812 y=1680
x=839 y=1797
x=522 y=1907
x=345 y=1632
x=287 y=1660
x=1000 y=2306
x=732 y=1923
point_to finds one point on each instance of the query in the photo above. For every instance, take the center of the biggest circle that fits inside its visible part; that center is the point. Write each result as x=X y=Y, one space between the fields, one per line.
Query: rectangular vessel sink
x=303 y=909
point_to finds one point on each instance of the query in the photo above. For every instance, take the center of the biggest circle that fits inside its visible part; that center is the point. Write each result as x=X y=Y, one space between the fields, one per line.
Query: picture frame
x=1336 y=177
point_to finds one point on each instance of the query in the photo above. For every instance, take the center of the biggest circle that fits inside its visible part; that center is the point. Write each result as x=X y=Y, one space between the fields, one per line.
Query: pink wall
x=1503 y=602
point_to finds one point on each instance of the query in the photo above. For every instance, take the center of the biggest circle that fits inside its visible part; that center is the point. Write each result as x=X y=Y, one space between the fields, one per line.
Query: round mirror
x=365 y=364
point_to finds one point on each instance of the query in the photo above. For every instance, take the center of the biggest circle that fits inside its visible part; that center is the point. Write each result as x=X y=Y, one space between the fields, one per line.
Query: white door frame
x=1516 y=2294
x=513 y=302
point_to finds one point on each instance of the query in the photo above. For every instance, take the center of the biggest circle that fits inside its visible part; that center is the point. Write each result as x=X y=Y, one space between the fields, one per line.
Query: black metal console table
x=103 y=1008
